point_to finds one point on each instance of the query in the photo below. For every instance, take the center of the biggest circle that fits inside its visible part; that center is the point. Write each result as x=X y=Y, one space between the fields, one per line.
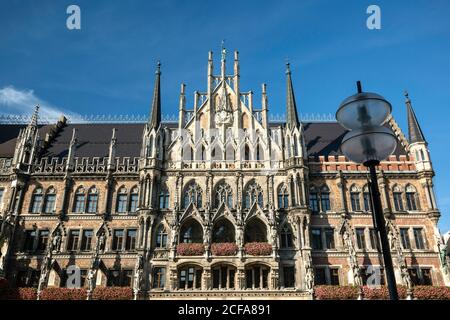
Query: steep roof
x=415 y=133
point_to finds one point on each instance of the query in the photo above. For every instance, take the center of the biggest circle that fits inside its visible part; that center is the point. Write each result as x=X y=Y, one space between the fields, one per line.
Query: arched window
x=283 y=197
x=224 y=194
x=411 y=203
x=259 y=153
x=161 y=237
x=314 y=200
x=134 y=199
x=253 y=194
x=36 y=201
x=50 y=201
x=203 y=153
x=366 y=199
x=295 y=146
x=193 y=194
x=325 y=199
x=223 y=231
x=246 y=153
x=230 y=154
x=122 y=197
x=190 y=277
x=79 y=200
x=397 y=196
x=191 y=232
x=355 y=198
x=286 y=237
x=164 y=197
x=257 y=276
x=255 y=231
x=422 y=155
x=92 y=200
x=150 y=147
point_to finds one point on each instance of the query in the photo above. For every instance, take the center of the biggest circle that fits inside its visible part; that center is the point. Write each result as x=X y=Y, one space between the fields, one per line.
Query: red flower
x=336 y=292
x=63 y=294
x=258 y=248
x=431 y=293
x=190 y=249
x=112 y=293
x=18 y=293
x=382 y=293
x=224 y=249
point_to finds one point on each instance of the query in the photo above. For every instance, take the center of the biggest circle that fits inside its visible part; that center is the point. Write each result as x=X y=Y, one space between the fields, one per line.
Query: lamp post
x=369 y=142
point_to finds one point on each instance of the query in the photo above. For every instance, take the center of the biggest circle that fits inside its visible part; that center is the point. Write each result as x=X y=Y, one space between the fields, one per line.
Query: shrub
x=190 y=249
x=18 y=294
x=431 y=293
x=112 y=293
x=336 y=292
x=63 y=294
x=258 y=248
x=224 y=249
x=382 y=293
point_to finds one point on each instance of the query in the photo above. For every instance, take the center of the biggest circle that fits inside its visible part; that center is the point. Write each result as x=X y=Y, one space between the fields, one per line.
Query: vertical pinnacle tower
x=291 y=107
x=415 y=133
x=155 y=115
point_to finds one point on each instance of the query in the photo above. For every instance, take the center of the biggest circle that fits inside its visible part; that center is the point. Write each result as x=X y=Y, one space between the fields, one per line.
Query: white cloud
x=22 y=102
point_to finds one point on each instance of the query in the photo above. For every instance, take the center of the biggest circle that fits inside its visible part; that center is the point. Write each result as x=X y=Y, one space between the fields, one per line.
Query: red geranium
x=431 y=293
x=258 y=248
x=63 y=294
x=190 y=249
x=112 y=293
x=336 y=292
x=224 y=249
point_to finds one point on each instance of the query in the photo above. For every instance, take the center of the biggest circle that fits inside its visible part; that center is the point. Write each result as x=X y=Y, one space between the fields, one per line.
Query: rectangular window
x=131 y=239
x=320 y=276
x=314 y=202
x=134 y=202
x=289 y=277
x=122 y=203
x=113 y=278
x=117 y=240
x=354 y=198
x=159 y=277
x=325 y=201
x=411 y=201
x=79 y=203
x=413 y=274
x=127 y=277
x=50 y=203
x=418 y=238
x=374 y=240
x=329 y=238
x=360 y=238
x=30 y=237
x=334 y=276
x=426 y=277
x=43 y=240
x=37 y=203
x=92 y=203
x=316 y=239
x=404 y=235
x=367 y=201
x=398 y=202
x=86 y=240
x=74 y=237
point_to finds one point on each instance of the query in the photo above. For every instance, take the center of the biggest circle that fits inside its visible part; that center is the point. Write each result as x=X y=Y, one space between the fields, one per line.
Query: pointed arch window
x=283 y=197
x=259 y=153
x=161 y=237
x=203 y=153
x=36 y=201
x=224 y=194
x=295 y=146
x=325 y=199
x=246 y=153
x=253 y=194
x=134 y=199
x=50 y=201
x=193 y=194
x=355 y=198
x=398 y=201
x=122 y=199
x=164 y=197
x=79 y=201
x=366 y=199
x=191 y=232
x=92 y=200
x=411 y=203
x=286 y=237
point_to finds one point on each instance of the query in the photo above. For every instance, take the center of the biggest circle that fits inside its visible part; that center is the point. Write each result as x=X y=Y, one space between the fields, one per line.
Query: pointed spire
x=112 y=150
x=223 y=60
x=155 y=117
x=291 y=107
x=34 y=117
x=415 y=133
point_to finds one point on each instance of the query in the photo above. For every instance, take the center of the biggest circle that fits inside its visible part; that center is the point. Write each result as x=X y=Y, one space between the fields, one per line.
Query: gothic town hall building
x=222 y=204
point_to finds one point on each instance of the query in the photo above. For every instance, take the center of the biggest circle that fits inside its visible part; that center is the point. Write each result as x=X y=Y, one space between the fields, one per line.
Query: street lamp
x=369 y=142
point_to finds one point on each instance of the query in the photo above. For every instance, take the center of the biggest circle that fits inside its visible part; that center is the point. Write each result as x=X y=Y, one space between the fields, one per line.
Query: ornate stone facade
x=224 y=204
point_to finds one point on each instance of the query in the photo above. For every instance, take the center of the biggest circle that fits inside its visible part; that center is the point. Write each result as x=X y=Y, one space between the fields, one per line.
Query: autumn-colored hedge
x=63 y=294
x=382 y=293
x=112 y=293
x=431 y=293
x=224 y=249
x=190 y=249
x=258 y=248
x=336 y=292
x=18 y=294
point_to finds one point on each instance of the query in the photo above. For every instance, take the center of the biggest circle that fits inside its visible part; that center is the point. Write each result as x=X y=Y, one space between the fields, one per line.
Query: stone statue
x=138 y=273
x=101 y=242
x=274 y=236
x=239 y=237
x=56 y=242
x=207 y=238
x=309 y=278
x=91 y=279
x=405 y=276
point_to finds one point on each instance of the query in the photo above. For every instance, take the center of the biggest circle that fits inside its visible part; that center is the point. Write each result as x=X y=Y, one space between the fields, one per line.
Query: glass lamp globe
x=363 y=109
x=370 y=145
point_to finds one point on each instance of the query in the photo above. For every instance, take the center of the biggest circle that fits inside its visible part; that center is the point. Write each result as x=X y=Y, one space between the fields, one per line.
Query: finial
x=210 y=55
x=114 y=130
x=224 y=50
x=407 y=96
x=158 y=67
x=288 y=66
x=264 y=88
x=236 y=55
x=358 y=86
x=34 y=117
x=183 y=86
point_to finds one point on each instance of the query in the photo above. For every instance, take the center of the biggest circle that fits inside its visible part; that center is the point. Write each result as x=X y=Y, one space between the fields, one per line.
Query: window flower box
x=382 y=293
x=112 y=293
x=63 y=294
x=336 y=292
x=258 y=248
x=224 y=249
x=190 y=249
x=431 y=293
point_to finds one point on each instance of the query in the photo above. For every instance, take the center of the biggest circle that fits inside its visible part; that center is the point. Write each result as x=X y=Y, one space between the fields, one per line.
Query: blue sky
x=107 y=67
